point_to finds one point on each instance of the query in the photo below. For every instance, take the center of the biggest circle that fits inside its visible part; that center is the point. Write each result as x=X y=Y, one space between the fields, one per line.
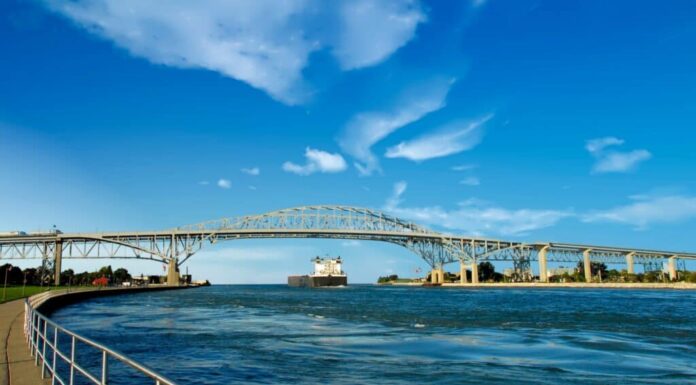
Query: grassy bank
x=16 y=292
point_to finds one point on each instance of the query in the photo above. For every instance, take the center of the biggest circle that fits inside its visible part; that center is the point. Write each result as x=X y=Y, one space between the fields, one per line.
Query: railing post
x=35 y=339
x=43 y=350
x=55 y=349
x=72 y=361
x=105 y=367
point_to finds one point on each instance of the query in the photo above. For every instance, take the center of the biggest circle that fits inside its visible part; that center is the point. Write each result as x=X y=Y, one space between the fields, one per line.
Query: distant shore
x=578 y=285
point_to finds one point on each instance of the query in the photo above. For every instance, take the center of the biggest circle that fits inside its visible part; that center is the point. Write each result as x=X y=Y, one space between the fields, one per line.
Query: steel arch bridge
x=175 y=246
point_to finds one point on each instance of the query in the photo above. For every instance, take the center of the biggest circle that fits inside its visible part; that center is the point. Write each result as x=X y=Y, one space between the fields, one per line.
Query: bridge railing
x=48 y=344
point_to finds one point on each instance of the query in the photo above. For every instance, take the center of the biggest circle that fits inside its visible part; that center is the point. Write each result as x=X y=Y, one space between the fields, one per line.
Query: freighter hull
x=317 y=281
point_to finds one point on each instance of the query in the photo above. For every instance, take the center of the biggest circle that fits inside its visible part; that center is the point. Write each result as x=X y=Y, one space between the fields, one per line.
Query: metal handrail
x=46 y=351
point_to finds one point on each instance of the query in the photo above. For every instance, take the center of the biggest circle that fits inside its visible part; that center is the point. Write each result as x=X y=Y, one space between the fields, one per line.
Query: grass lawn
x=15 y=292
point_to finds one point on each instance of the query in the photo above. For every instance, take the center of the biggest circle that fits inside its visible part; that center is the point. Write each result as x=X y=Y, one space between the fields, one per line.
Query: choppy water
x=392 y=335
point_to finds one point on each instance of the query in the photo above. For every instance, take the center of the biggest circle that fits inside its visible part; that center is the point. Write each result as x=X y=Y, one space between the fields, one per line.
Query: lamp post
x=4 y=288
x=24 y=283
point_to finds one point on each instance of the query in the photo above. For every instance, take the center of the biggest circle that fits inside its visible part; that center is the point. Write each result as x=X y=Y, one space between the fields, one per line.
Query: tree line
x=42 y=276
x=487 y=273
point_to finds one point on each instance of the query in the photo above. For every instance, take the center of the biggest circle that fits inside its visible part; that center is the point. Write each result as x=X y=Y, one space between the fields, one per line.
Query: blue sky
x=528 y=120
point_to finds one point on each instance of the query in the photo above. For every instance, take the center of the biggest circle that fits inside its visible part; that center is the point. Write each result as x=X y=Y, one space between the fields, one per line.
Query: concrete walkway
x=16 y=365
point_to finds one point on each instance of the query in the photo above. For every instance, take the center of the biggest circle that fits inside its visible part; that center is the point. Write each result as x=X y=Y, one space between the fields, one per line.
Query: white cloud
x=621 y=161
x=367 y=128
x=254 y=171
x=599 y=144
x=264 y=43
x=464 y=167
x=474 y=217
x=470 y=181
x=450 y=139
x=224 y=183
x=646 y=210
x=317 y=161
x=252 y=187
x=395 y=199
x=614 y=161
x=351 y=243
x=373 y=30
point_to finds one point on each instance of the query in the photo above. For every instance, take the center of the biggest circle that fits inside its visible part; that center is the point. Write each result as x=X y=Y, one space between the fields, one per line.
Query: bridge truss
x=176 y=246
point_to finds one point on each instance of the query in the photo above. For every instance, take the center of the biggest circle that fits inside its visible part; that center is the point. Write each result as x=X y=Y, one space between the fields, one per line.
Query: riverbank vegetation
x=600 y=273
x=16 y=283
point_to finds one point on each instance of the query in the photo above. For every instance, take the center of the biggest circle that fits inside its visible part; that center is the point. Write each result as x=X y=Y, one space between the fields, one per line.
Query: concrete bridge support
x=543 y=270
x=58 y=262
x=672 y=267
x=587 y=265
x=462 y=273
x=437 y=275
x=173 y=273
x=474 y=272
x=629 y=263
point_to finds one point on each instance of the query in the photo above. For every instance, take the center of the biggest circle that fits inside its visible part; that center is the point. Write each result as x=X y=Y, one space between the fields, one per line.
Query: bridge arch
x=324 y=221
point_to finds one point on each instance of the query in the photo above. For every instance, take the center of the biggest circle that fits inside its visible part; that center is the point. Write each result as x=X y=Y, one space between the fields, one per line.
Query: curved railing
x=44 y=338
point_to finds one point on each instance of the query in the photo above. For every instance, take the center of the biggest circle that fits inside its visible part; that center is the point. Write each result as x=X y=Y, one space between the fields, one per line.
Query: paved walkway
x=16 y=365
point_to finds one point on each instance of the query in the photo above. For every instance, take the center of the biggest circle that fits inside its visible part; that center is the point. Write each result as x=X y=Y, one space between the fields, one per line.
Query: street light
x=4 y=288
x=24 y=282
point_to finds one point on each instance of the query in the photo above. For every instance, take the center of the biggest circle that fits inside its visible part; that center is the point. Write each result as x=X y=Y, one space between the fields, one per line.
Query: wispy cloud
x=464 y=167
x=614 y=161
x=470 y=181
x=621 y=161
x=317 y=161
x=646 y=210
x=475 y=217
x=367 y=128
x=594 y=146
x=364 y=40
x=227 y=37
x=451 y=139
x=224 y=183
x=254 y=171
x=204 y=183
x=351 y=243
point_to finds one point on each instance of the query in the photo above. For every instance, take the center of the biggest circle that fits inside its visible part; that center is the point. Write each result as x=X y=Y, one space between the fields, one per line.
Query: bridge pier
x=437 y=275
x=587 y=264
x=173 y=273
x=474 y=272
x=462 y=272
x=543 y=270
x=629 y=263
x=671 y=266
x=57 y=262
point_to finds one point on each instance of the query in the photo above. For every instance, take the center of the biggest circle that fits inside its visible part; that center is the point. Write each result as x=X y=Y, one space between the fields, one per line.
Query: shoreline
x=17 y=366
x=572 y=285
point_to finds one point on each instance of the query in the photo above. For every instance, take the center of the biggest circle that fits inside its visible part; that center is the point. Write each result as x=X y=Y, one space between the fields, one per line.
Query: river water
x=399 y=335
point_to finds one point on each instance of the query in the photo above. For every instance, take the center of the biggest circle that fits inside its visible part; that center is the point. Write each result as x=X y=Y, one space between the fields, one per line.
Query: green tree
x=67 y=277
x=106 y=272
x=486 y=271
x=121 y=275
x=692 y=277
x=595 y=267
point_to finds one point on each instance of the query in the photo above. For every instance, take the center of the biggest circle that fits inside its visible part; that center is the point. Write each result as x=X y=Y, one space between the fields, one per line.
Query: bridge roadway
x=175 y=246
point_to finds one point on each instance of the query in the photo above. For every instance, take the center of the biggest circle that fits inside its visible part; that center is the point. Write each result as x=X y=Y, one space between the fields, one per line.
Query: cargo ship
x=327 y=272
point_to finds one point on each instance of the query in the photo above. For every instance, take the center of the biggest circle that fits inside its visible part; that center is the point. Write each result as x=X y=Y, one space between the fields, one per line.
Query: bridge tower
x=58 y=261
x=172 y=264
x=543 y=270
